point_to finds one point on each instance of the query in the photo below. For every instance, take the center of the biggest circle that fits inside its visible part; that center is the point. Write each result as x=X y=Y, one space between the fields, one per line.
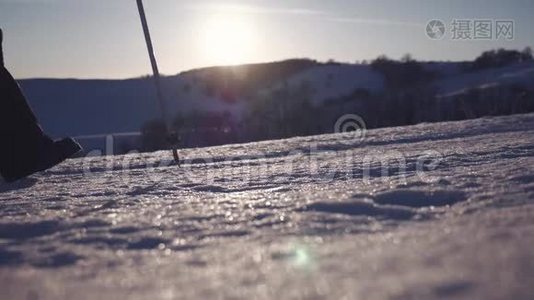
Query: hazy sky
x=103 y=38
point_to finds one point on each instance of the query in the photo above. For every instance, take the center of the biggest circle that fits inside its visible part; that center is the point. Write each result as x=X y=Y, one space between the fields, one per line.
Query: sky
x=104 y=39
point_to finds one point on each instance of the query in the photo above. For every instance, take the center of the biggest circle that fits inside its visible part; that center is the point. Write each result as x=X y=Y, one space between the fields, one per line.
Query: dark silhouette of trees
x=500 y=57
x=401 y=74
x=282 y=108
x=154 y=136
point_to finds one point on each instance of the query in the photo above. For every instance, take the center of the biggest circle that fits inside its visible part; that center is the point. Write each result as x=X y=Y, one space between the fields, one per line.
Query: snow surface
x=452 y=216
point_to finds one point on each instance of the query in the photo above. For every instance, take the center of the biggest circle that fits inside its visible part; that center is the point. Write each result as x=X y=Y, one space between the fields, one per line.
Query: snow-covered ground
x=441 y=210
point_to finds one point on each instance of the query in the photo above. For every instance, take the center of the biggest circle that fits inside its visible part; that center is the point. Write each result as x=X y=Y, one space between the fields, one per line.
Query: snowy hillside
x=70 y=107
x=116 y=106
x=431 y=211
x=520 y=74
x=335 y=80
x=234 y=104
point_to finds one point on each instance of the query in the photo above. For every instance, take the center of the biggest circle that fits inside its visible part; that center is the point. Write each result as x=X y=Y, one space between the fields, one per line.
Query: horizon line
x=148 y=75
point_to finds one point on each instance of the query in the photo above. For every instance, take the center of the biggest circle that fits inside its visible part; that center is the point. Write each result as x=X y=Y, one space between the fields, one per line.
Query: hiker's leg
x=19 y=131
x=24 y=148
x=20 y=134
x=1 y=50
x=15 y=112
x=13 y=104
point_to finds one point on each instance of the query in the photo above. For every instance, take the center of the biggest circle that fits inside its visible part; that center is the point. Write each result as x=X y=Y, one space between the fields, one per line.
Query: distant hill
x=250 y=97
x=88 y=107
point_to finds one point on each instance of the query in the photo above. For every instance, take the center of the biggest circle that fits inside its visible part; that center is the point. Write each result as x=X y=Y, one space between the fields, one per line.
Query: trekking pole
x=172 y=134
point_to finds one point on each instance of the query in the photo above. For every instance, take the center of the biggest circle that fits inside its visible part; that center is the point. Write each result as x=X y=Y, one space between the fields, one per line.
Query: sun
x=227 y=40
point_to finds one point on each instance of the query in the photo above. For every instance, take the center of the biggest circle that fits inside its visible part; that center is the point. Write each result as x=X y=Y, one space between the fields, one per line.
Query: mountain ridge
x=238 y=95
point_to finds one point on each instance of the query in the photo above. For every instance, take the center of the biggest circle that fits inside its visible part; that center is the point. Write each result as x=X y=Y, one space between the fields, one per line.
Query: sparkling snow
x=426 y=211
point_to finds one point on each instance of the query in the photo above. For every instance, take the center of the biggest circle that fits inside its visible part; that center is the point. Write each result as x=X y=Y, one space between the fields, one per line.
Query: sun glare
x=227 y=40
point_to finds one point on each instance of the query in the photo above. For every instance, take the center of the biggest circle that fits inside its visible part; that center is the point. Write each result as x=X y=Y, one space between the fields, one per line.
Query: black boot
x=43 y=154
